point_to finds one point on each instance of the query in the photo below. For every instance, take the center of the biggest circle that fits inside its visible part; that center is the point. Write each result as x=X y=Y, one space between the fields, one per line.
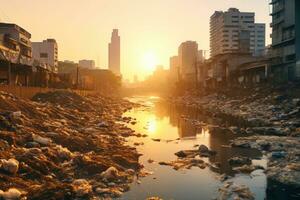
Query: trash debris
x=110 y=174
x=41 y=140
x=81 y=187
x=11 y=165
x=185 y=163
x=239 y=161
x=11 y=194
x=247 y=169
x=234 y=191
x=48 y=154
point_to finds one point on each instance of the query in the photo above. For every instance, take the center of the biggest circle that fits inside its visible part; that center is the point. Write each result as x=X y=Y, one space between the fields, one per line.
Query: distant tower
x=114 y=53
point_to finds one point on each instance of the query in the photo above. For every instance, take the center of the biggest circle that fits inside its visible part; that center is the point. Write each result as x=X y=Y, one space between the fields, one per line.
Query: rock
x=150 y=161
x=110 y=174
x=11 y=194
x=186 y=153
x=41 y=140
x=81 y=187
x=239 y=161
x=203 y=149
x=11 y=165
x=181 y=154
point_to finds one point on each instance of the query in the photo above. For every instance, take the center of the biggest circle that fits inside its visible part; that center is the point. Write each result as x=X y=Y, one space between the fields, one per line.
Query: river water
x=175 y=127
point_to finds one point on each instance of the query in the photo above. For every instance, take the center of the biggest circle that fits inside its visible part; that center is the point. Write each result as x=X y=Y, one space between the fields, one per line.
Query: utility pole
x=9 y=73
x=77 y=77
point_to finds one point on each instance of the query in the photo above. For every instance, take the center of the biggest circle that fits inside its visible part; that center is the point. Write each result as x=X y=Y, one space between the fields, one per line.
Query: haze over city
x=150 y=99
x=150 y=31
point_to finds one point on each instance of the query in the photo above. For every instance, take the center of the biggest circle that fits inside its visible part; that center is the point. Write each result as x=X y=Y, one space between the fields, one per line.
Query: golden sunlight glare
x=149 y=61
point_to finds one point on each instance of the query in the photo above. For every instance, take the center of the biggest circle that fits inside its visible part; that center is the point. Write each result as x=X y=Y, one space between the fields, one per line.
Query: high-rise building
x=236 y=32
x=174 y=68
x=114 y=53
x=187 y=60
x=285 y=49
x=87 y=64
x=46 y=53
x=201 y=56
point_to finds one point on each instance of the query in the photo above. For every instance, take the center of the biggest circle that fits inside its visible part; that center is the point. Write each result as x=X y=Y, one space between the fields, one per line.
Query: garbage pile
x=284 y=157
x=263 y=110
x=64 y=146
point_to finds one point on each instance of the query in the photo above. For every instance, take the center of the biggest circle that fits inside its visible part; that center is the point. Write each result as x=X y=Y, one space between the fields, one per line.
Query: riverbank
x=272 y=115
x=60 y=145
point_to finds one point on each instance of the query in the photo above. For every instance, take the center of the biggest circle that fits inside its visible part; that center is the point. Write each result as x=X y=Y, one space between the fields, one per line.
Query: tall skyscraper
x=187 y=60
x=114 y=53
x=236 y=32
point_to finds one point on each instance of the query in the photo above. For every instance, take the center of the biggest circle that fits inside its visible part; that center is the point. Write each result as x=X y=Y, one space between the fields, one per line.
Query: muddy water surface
x=177 y=131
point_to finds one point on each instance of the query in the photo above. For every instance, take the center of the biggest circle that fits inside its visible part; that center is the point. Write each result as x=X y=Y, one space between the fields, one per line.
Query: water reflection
x=185 y=119
x=164 y=121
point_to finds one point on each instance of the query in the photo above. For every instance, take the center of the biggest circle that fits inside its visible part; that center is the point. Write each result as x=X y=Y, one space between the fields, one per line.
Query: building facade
x=174 y=69
x=15 y=44
x=114 y=60
x=46 y=54
x=285 y=49
x=87 y=64
x=236 y=32
x=187 y=60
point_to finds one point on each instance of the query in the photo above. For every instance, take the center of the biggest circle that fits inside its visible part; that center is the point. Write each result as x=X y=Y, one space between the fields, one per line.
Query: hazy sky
x=155 y=28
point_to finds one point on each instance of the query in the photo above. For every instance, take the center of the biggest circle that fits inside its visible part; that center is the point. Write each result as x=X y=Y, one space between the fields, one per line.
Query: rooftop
x=15 y=26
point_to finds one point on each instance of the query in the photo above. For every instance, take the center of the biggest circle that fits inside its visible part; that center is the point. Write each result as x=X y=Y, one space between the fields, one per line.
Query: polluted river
x=171 y=129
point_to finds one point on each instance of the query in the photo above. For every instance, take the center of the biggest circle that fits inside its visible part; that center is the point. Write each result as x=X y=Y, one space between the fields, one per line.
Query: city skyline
x=85 y=35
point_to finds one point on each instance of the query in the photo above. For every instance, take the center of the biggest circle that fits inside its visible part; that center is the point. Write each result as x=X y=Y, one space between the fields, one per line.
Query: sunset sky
x=151 y=30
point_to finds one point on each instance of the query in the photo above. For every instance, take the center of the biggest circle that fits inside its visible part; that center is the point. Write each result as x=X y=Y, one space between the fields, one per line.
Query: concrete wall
x=29 y=92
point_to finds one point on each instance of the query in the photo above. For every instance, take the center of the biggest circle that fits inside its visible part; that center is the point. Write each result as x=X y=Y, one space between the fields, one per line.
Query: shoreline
x=62 y=145
x=271 y=119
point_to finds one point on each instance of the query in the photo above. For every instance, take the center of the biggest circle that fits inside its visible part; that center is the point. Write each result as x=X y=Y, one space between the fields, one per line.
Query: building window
x=43 y=55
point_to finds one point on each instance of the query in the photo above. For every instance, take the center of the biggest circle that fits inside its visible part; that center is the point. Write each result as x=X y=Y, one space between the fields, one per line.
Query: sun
x=149 y=61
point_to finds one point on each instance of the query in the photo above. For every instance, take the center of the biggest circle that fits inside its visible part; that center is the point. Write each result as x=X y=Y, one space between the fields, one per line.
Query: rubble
x=262 y=110
x=283 y=154
x=11 y=194
x=247 y=169
x=239 y=161
x=185 y=163
x=61 y=145
x=11 y=165
x=234 y=191
x=110 y=174
x=270 y=113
